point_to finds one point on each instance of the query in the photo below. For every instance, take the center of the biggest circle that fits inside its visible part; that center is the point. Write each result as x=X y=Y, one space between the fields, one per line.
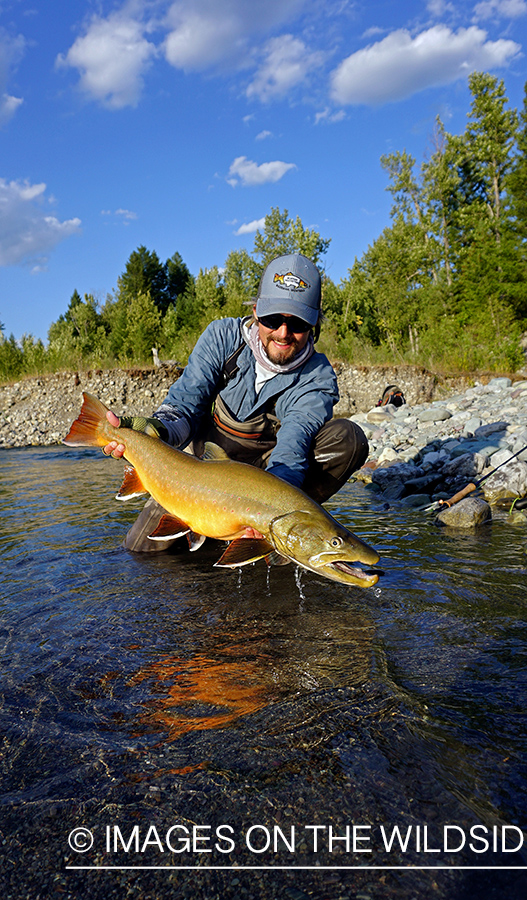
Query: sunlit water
x=156 y=690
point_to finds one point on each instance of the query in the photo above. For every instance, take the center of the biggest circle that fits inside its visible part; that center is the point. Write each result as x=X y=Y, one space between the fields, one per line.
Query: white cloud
x=204 y=33
x=440 y=7
x=114 y=52
x=11 y=50
x=326 y=115
x=8 y=106
x=400 y=65
x=26 y=231
x=248 y=173
x=503 y=9
x=263 y=135
x=126 y=215
x=251 y=227
x=287 y=63
x=374 y=31
x=112 y=57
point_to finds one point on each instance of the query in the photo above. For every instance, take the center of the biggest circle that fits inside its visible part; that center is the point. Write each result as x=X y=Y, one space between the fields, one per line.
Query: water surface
x=156 y=692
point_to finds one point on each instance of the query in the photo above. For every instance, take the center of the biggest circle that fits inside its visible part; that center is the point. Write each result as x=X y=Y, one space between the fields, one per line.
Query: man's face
x=282 y=344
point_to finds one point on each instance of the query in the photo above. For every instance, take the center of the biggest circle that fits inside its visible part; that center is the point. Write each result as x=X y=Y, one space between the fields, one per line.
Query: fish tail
x=88 y=429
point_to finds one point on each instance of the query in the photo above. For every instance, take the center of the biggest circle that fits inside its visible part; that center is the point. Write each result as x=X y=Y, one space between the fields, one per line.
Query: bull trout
x=219 y=498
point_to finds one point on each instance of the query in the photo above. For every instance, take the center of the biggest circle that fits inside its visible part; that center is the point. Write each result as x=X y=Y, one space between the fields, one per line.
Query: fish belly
x=202 y=498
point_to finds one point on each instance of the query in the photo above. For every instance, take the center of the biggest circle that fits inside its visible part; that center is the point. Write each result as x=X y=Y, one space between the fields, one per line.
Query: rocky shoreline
x=423 y=453
x=38 y=411
x=449 y=432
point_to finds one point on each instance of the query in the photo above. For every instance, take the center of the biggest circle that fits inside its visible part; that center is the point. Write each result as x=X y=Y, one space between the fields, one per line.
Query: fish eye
x=336 y=542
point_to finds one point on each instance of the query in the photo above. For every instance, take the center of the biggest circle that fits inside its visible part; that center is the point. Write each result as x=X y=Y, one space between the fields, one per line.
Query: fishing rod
x=473 y=485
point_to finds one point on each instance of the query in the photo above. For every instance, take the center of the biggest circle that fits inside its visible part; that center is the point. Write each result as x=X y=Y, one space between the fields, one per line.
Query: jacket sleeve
x=302 y=411
x=190 y=398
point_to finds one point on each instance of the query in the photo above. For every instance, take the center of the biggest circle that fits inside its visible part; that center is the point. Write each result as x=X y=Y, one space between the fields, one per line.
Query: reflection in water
x=243 y=672
x=201 y=693
x=247 y=695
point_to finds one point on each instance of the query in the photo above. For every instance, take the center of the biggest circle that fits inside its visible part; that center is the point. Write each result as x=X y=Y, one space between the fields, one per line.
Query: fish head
x=323 y=545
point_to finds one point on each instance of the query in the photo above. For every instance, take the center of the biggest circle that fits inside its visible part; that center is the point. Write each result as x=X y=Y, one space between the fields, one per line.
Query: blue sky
x=178 y=124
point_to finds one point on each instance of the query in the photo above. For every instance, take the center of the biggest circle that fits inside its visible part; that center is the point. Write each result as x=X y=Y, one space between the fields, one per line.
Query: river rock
x=517 y=518
x=472 y=424
x=510 y=481
x=468 y=513
x=443 y=421
x=435 y=414
x=380 y=415
x=496 y=384
x=466 y=466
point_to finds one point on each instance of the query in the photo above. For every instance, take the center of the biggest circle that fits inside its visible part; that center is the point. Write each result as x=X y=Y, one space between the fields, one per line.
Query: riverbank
x=38 y=411
x=425 y=452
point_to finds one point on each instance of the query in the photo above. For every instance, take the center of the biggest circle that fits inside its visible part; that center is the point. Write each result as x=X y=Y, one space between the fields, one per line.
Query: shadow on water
x=157 y=691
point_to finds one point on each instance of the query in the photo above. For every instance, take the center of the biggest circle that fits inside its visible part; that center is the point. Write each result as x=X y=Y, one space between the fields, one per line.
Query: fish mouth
x=348 y=571
x=341 y=570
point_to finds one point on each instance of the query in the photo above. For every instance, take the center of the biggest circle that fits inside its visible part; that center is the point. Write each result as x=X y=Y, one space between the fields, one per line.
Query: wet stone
x=468 y=513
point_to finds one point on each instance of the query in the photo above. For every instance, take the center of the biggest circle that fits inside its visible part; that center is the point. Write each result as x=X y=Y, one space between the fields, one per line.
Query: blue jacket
x=304 y=397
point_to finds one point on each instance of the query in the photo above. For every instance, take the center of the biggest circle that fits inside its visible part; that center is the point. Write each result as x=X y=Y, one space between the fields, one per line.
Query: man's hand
x=153 y=427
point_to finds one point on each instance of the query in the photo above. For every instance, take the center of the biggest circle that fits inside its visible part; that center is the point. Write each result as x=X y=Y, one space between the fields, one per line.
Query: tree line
x=444 y=285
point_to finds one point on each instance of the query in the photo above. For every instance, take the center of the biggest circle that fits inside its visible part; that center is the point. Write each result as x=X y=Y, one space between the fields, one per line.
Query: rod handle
x=459 y=496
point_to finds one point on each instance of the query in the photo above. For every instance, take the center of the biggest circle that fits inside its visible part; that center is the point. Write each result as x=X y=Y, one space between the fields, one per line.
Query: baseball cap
x=290 y=285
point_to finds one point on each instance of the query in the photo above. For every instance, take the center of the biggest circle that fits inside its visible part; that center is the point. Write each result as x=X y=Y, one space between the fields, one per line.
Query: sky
x=179 y=124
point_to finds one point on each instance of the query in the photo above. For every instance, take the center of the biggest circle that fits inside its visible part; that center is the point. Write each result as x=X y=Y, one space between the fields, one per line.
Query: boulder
x=468 y=513
x=510 y=481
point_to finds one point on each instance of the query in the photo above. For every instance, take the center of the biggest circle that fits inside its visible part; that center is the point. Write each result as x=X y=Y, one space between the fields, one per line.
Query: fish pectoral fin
x=169 y=527
x=195 y=540
x=242 y=551
x=132 y=485
x=212 y=451
x=276 y=559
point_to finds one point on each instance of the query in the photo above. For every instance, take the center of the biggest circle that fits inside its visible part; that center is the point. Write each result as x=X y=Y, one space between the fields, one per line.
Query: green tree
x=144 y=329
x=80 y=334
x=144 y=273
x=35 y=357
x=178 y=280
x=209 y=294
x=240 y=283
x=490 y=139
x=516 y=183
x=11 y=358
x=281 y=235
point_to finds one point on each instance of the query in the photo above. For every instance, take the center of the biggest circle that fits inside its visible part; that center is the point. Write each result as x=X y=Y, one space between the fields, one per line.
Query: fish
x=262 y=516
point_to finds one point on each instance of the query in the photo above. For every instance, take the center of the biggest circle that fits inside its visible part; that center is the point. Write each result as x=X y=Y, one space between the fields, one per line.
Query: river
x=174 y=729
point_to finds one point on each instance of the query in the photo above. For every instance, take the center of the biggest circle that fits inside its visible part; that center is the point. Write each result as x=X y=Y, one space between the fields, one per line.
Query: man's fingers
x=113 y=419
x=114 y=449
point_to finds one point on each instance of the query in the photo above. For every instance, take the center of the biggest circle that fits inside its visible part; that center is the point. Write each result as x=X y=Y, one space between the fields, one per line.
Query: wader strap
x=230 y=366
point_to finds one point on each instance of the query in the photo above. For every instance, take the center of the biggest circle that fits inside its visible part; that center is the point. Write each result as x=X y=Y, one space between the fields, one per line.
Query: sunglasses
x=276 y=320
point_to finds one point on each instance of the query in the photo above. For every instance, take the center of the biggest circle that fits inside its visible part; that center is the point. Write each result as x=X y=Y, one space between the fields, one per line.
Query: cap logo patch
x=290 y=282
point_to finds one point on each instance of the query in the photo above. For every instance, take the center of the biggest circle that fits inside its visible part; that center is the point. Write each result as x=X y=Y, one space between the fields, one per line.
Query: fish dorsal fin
x=169 y=527
x=212 y=451
x=132 y=485
x=242 y=551
x=195 y=540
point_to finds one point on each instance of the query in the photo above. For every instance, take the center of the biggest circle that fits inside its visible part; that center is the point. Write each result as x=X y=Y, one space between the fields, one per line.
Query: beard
x=282 y=351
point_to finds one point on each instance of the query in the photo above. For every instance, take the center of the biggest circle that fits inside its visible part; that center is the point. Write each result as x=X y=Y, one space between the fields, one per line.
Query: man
x=257 y=387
